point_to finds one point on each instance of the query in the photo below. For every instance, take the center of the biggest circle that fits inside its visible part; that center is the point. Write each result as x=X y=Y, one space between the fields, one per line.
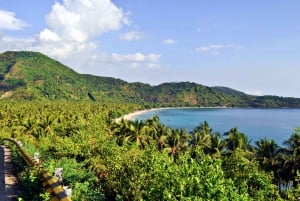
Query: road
x=8 y=187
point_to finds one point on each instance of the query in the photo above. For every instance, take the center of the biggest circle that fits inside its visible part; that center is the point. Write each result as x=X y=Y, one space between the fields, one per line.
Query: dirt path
x=8 y=188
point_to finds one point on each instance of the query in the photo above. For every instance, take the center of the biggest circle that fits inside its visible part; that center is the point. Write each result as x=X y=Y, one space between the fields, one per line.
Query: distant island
x=28 y=75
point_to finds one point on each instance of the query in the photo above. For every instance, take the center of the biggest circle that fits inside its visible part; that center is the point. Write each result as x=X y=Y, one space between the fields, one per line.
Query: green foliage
x=11 y=83
x=150 y=175
x=104 y=159
x=294 y=193
x=77 y=176
x=28 y=179
x=140 y=160
x=34 y=76
x=248 y=178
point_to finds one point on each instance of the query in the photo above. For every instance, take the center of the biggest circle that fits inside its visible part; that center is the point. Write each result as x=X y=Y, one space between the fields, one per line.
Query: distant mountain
x=34 y=76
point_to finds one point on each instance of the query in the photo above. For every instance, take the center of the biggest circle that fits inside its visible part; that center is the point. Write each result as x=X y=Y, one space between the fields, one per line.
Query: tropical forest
x=74 y=122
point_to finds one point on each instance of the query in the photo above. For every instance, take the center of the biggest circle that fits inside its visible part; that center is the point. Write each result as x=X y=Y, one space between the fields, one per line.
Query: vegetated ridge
x=33 y=76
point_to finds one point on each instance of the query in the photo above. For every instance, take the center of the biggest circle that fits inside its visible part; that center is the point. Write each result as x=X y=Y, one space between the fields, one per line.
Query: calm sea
x=277 y=124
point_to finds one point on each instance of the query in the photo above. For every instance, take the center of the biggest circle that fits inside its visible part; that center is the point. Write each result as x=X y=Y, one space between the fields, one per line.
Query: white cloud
x=11 y=43
x=129 y=57
x=132 y=35
x=153 y=65
x=8 y=21
x=153 y=57
x=72 y=26
x=216 y=48
x=169 y=41
x=137 y=57
x=71 y=35
x=81 y=20
x=254 y=92
x=209 y=48
x=132 y=61
x=48 y=35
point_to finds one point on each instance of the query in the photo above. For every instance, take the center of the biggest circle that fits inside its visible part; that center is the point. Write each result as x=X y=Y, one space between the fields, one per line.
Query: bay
x=277 y=124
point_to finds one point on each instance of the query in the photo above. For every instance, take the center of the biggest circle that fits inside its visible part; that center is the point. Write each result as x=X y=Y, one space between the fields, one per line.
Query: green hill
x=228 y=91
x=34 y=76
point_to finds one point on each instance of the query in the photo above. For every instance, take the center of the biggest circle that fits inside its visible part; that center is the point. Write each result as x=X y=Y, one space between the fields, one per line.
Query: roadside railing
x=49 y=183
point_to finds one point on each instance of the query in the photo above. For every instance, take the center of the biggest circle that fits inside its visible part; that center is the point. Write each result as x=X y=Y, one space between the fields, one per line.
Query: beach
x=133 y=115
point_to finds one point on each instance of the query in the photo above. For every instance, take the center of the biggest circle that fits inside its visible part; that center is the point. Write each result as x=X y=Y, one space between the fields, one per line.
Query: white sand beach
x=132 y=116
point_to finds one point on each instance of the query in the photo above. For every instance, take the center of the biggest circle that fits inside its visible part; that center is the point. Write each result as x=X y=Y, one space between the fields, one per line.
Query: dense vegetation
x=34 y=76
x=70 y=120
x=145 y=160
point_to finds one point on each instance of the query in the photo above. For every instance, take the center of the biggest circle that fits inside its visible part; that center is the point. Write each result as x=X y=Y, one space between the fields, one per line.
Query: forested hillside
x=34 y=76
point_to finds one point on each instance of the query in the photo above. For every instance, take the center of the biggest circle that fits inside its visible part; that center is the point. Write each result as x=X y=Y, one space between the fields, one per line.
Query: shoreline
x=131 y=116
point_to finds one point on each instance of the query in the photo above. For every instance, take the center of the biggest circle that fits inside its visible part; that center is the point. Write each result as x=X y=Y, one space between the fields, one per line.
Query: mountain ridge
x=28 y=75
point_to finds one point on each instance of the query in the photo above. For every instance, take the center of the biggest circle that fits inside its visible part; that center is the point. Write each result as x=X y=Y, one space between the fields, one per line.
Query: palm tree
x=217 y=145
x=178 y=141
x=121 y=130
x=131 y=131
x=158 y=132
x=237 y=140
x=268 y=155
x=154 y=126
x=201 y=137
x=292 y=160
x=138 y=133
x=48 y=123
x=203 y=127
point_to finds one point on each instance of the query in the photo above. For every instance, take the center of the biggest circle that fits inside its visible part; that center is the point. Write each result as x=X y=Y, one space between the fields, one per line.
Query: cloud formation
x=169 y=41
x=136 y=60
x=254 y=92
x=132 y=35
x=73 y=25
x=8 y=21
x=79 y=20
x=72 y=35
x=137 y=57
x=216 y=48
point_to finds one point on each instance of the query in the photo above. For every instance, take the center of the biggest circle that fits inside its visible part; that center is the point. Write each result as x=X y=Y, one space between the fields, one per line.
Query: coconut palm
x=48 y=123
x=138 y=133
x=237 y=140
x=131 y=132
x=158 y=132
x=121 y=130
x=217 y=145
x=201 y=137
x=267 y=152
x=154 y=126
x=204 y=128
x=178 y=141
x=268 y=155
x=292 y=159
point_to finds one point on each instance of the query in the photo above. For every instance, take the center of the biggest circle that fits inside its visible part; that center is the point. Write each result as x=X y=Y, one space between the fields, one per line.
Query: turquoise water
x=277 y=124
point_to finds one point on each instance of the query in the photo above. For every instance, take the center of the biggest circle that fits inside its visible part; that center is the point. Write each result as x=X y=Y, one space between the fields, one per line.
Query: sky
x=251 y=45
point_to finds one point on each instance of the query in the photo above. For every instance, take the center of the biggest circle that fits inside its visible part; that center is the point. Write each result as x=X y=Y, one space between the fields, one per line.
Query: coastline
x=133 y=115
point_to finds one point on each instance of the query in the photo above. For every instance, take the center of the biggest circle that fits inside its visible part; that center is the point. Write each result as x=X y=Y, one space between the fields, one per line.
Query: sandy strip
x=133 y=115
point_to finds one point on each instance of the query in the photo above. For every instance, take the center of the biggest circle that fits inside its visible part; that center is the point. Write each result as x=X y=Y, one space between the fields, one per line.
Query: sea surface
x=277 y=124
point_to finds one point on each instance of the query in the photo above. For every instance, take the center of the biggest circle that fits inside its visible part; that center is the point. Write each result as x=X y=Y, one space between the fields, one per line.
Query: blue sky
x=252 y=46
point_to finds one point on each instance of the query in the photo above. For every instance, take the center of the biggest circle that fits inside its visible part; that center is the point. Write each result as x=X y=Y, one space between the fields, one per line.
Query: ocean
x=277 y=124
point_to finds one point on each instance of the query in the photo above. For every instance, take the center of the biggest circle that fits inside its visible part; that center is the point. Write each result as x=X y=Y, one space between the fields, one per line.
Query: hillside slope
x=34 y=76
